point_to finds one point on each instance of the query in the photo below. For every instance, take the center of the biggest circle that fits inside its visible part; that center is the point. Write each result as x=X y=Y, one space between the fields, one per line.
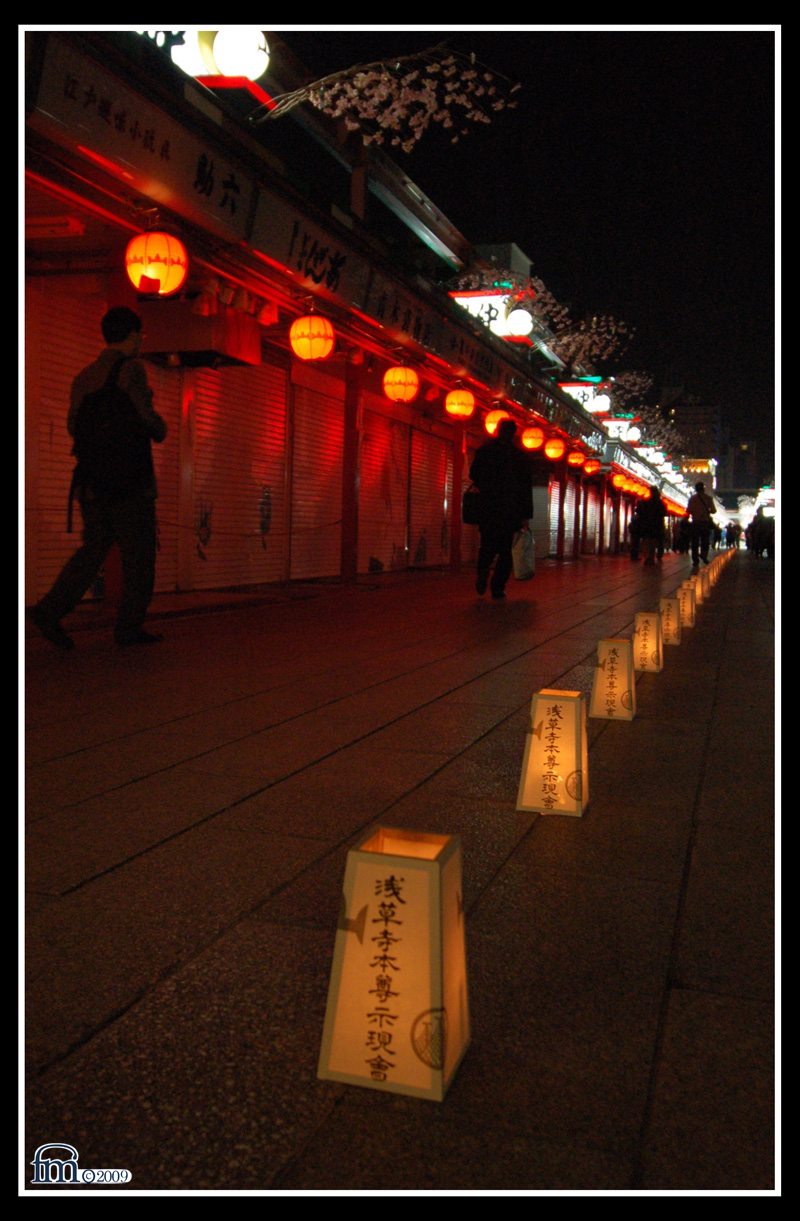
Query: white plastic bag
x=523 y=553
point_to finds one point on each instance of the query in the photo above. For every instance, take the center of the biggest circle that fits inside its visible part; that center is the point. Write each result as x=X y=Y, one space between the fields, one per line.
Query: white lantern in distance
x=519 y=322
x=241 y=51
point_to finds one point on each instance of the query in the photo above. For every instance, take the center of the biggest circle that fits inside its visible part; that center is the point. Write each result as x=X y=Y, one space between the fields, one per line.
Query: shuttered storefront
x=592 y=534
x=63 y=336
x=383 y=493
x=430 y=500
x=317 y=453
x=570 y=499
x=166 y=385
x=470 y=535
x=555 y=507
x=239 y=519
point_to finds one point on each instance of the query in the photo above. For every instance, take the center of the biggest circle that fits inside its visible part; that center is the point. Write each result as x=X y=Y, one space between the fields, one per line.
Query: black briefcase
x=472 y=506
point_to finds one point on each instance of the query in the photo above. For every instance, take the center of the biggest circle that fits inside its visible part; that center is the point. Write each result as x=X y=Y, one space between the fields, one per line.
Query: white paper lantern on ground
x=686 y=599
x=648 y=653
x=614 y=683
x=670 y=609
x=555 y=766
x=397 y=1017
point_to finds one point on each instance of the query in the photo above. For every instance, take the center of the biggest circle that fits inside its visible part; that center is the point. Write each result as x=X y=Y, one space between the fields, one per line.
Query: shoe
x=480 y=585
x=695 y=567
x=703 y=559
x=497 y=597
x=140 y=637
x=50 y=628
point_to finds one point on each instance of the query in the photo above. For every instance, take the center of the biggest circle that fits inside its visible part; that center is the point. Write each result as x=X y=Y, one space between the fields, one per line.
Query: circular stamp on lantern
x=574 y=785
x=428 y=1035
x=626 y=699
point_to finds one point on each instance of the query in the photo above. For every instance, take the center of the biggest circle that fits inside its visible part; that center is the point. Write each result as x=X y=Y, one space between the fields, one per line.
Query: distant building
x=700 y=424
x=738 y=468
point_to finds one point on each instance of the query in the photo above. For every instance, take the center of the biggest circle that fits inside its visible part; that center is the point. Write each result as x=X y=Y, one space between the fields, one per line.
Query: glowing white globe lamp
x=519 y=322
x=241 y=51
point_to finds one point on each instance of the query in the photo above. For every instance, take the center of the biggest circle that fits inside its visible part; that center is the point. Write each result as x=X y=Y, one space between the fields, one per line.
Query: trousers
x=701 y=536
x=496 y=540
x=130 y=523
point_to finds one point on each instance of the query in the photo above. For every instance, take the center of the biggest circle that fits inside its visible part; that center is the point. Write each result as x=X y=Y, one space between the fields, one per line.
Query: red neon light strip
x=481 y=292
x=237 y=82
x=104 y=162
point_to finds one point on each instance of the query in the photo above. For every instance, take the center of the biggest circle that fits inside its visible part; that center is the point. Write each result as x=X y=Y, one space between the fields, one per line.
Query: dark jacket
x=503 y=474
x=651 y=516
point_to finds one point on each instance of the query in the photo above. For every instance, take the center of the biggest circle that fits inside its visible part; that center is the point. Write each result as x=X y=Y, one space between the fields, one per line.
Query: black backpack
x=111 y=445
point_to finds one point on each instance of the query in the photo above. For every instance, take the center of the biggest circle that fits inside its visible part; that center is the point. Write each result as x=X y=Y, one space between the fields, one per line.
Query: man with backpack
x=700 y=508
x=112 y=422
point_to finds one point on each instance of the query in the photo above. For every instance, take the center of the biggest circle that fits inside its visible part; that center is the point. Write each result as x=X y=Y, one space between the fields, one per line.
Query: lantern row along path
x=189 y=810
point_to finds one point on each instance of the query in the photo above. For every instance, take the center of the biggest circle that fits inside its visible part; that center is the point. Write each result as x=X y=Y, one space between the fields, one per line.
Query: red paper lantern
x=400 y=384
x=591 y=466
x=156 y=263
x=493 y=418
x=460 y=403
x=555 y=448
x=312 y=337
x=618 y=480
x=532 y=438
x=575 y=458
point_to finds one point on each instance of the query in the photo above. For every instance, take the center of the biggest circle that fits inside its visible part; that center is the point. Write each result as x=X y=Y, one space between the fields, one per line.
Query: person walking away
x=503 y=475
x=635 y=531
x=651 y=519
x=700 y=509
x=114 y=483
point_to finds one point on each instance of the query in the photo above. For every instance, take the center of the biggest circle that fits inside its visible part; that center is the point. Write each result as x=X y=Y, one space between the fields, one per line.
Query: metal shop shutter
x=592 y=520
x=166 y=384
x=63 y=336
x=555 y=505
x=609 y=520
x=470 y=535
x=239 y=463
x=431 y=499
x=569 y=519
x=383 y=494
x=317 y=452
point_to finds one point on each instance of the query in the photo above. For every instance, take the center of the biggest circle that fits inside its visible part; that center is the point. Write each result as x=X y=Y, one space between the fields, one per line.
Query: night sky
x=638 y=175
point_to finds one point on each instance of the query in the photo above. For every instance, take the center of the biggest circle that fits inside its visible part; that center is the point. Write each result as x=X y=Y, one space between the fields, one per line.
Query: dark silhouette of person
x=700 y=508
x=128 y=519
x=503 y=474
x=651 y=523
x=635 y=531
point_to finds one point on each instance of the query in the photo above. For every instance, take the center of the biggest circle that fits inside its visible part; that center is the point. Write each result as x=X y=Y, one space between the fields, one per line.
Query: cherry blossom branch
x=395 y=101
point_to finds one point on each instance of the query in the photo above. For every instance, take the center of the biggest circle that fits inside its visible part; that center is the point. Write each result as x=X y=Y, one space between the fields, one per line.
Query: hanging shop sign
x=589 y=394
x=296 y=244
x=82 y=107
